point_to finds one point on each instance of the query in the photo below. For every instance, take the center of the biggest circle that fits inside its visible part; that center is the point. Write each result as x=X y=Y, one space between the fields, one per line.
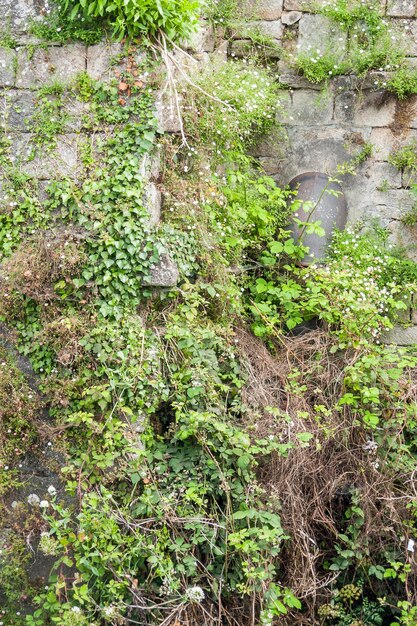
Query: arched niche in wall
x=326 y=203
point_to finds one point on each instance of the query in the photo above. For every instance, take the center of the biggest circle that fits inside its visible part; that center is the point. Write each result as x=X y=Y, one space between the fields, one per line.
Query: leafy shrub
x=356 y=292
x=233 y=105
x=175 y=19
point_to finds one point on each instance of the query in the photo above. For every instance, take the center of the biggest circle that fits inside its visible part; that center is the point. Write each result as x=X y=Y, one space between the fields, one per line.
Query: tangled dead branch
x=315 y=484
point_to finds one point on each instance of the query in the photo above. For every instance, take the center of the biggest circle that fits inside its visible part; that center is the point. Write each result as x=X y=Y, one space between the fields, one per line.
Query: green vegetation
x=371 y=45
x=223 y=465
x=88 y=21
x=405 y=160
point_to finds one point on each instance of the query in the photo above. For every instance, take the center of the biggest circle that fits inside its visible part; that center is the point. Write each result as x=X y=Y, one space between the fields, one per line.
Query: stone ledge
x=401 y=336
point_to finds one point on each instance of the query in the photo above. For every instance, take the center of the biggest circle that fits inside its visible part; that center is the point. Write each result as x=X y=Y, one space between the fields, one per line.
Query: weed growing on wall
x=405 y=160
x=88 y=22
x=371 y=45
x=234 y=104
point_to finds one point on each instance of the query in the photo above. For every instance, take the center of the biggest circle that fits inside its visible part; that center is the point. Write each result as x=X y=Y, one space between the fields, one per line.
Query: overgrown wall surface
x=30 y=77
x=28 y=66
x=323 y=128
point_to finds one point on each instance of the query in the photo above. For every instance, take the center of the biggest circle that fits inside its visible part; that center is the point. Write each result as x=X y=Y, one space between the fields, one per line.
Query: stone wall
x=28 y=66
x=324 y=128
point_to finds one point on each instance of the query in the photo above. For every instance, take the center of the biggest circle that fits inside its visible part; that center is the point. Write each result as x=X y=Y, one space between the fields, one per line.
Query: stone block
x=244 y=48
x=100 y=60
x=46 y=66
x=165 y=273
x=344 y=107
x=317 y=149
x=375 y=193
x=365 y=108
x=7 y=67
x=16 y=109
x=400 y=336
x=152 y=202
x=405 y=35
x=401 y=8
x=374 y=109
x=268 y=29
x=385 y=140
x=18 y=15
x=264 y=9
x=289 y=18
x=46 y=165
x=308 y=108
x=150 y=166
x=273 y=145
x=319 y=33
x=296 y=81
x=167 y=114
x=272 y=166
x=408 y=110
x=202 y=40
x=76 y=111
x=404 y=236
x=297 y=5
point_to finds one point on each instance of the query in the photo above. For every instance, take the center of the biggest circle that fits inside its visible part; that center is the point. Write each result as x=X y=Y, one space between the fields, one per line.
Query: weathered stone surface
x=308 y=108
x=344 y=107
x=264 y=9
x=374 y=109
x=318 y=149
x=385 y=140
x=269 y=29
x=77 y=112
x=296 y=5
x=165 y=273
x=167 y=114
x=401 y=336
x=202 y=40
x=375 y=193
x=19 y=14
x=99 y=60
x=151 y=164
x=152 y=201
x=365 y=108
x=274 y=144
x=318 y=33
x=295 y=81
x=401 y=8
x=16 y=109
x=404 y=236
x=7 y=67
x=46 y=165
x=243 y=48
x=48 y=65
x=289 y=18
x=405 y=35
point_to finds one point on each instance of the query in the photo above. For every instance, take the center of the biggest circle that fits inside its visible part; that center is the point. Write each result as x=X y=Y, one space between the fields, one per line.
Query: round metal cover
x=329 y=207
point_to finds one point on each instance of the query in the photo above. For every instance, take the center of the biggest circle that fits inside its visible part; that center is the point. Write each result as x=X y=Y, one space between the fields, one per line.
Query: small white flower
x=33 y=499
x=51 y=490
x=195 y=594
x=44 y=504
